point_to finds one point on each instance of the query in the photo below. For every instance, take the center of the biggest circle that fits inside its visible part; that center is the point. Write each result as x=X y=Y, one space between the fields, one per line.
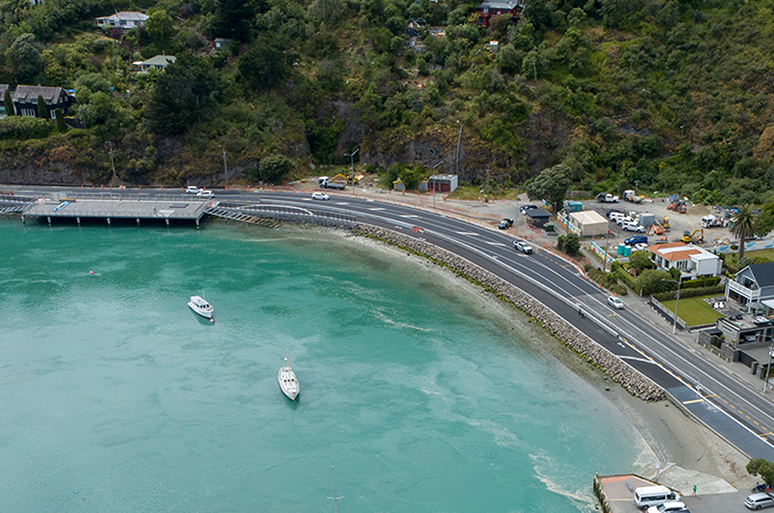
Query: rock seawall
x=635 y=383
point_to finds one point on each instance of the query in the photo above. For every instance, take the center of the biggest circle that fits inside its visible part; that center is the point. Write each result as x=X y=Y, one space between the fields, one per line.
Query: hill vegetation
x=671 y=96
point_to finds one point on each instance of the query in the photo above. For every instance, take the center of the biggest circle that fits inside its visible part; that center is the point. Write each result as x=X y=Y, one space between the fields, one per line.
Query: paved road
x=726 y=403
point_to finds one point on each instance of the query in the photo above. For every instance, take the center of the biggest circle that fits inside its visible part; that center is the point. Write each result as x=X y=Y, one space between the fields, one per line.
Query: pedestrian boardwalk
x=166 y=209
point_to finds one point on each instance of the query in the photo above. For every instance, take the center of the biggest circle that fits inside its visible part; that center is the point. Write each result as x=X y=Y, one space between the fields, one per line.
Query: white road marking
x=467 y=233
x=377 y=209
x=410 y=216
x=495 y=243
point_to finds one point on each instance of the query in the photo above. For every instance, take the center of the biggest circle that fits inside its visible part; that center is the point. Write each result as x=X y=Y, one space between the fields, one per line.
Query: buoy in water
x=91 y=272
x=212 y=320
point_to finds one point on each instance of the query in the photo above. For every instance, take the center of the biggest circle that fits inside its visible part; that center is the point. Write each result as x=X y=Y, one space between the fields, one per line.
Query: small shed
x=398 y=185
x=647 y=219
x=538 y=217
x=442 y=183
x=590 y=223
x=573 y=206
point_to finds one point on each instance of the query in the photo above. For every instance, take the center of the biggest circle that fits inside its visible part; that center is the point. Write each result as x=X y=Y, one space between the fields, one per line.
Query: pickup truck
x=605 y=197
x=326 y=183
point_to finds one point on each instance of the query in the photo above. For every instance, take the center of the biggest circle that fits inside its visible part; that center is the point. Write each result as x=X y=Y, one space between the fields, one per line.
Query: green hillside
x=668 y=96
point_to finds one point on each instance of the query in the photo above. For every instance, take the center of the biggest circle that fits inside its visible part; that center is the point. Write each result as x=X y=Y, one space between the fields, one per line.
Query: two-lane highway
x=719 y=398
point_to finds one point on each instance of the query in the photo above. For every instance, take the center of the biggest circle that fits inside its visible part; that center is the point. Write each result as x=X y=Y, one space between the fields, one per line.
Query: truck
x=606 y=197
x=711 y=221
x=327 y=183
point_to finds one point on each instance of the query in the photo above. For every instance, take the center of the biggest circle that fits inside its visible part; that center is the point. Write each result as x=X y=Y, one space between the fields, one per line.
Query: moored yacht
x=199 y=305
x=287 y=380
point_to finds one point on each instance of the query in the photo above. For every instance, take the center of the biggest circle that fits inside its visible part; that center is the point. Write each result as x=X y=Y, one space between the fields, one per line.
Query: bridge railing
x=297 y=214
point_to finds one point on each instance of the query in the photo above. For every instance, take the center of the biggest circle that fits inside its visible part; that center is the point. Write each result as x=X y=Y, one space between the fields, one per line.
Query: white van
x=648 y=496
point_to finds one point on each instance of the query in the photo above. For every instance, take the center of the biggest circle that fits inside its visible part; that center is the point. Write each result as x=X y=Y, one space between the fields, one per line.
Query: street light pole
x=352 y=167
x=225 y=165
x=434 y=183
x=112 y=162
x=677 y=303
x=457 y=158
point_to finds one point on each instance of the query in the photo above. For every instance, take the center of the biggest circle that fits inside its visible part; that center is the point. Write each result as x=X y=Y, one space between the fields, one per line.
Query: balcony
x=750 y=294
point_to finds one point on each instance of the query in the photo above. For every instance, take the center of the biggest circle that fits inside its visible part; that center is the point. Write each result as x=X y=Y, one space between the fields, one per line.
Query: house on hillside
x=158 y=62
x=3 y=89
x=25 y=100
x=692 y=261
x=124 y=20
x=491 y=8
x=752 y=286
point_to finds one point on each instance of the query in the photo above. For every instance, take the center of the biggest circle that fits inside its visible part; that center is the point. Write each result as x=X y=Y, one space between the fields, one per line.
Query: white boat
x=287 y=380
x=199 y=305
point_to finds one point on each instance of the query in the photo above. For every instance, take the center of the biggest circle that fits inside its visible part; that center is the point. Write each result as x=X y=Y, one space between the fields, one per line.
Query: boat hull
x=288 y=383
x=203 y=313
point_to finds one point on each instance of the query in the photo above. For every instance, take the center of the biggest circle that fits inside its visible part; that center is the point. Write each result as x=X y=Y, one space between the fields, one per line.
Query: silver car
x=522 y=246
x=615 y=302
x=759 y=500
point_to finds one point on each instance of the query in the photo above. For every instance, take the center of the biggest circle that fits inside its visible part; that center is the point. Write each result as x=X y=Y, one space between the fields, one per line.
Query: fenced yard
x=694 y=310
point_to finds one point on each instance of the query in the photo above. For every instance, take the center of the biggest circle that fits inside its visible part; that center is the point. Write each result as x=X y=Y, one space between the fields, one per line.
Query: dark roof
x=764 y=274
x=29 y=94
x=538 y=212
x=499 y=4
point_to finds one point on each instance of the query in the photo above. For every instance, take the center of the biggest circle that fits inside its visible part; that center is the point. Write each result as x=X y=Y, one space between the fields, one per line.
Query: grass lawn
x=765 y=253
x=694 y=311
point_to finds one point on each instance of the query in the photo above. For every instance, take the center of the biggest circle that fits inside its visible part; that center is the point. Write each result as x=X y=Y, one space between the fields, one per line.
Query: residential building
x=124 y=20
x=692 y=261
x=746 y=330
x=752 y=285
x=25 y=100
x=158 y=62
x=490 y=8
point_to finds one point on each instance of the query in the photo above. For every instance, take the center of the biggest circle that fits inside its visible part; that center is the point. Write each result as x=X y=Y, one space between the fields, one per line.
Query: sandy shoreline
x=669 y=435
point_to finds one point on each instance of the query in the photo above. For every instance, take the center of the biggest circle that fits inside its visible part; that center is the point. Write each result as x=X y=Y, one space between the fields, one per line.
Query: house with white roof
x=124 y=20
x=692 y=261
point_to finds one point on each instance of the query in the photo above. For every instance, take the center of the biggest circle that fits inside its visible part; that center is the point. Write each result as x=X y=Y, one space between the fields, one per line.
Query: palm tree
x=744 y=226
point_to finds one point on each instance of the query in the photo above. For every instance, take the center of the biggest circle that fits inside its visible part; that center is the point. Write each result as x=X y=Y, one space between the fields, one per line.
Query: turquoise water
x=115 y=397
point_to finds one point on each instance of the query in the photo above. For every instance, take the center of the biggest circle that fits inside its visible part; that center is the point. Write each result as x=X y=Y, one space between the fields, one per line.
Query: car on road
x=668 y=507
x=505 y=223
x=615 y=302
x=520 y=245
x=192 y=189
x=320 y=196
x=759 y=500
x=204 y=194
x=523 y=209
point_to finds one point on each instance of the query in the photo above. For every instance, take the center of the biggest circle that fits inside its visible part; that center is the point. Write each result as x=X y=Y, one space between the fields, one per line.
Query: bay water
x=116 y=397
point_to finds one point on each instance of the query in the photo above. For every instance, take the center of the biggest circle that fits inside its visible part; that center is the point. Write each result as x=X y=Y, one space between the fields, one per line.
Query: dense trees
x=551 y=184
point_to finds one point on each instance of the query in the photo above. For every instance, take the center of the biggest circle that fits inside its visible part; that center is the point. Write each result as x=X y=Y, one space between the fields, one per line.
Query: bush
x=698 y=291
x=569 y=243
x=274 y=168
x=622 y=275
x=22 y=127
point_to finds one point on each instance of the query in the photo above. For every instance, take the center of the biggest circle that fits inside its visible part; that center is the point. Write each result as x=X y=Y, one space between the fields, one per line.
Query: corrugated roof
x=160 y=60
x=588 y=216
x=676 y=251
x=125 y=15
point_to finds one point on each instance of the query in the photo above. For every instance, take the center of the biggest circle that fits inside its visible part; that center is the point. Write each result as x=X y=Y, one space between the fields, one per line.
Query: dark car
x=524 y=209
x=505 y=224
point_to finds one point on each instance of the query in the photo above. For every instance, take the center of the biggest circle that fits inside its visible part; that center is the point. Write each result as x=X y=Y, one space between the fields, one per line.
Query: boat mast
x=334 y=498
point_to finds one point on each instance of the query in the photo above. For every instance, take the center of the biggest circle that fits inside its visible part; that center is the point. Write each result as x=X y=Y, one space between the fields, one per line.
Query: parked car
x=615 y=302
x=522 y=246
x=759 y=500
x=625 y=219
x=610 y=214
x=641 y=246
x=524 y=209
x=605 y=197
x=320 y=196
x=192 y=189
x=637 y=239
x=204 y=194
x=668 y=507
x=505 y=223
x=633 y=227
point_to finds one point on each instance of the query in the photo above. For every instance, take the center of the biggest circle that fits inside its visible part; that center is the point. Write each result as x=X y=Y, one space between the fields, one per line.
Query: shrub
x=699 y=291
x=274 y=168
x=23 y=127
x=569 y=243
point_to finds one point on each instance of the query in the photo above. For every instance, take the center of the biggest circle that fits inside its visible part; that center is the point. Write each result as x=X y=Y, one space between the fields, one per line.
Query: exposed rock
x=637 y=384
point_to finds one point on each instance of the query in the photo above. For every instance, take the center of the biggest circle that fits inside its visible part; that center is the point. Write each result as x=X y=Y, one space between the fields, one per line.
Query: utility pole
x=766 y=383
x=457 y=159
x=352 y=167
x=534 y=70
x=112 y=162
x=607 y=245
x=434 y=183
x=225 y=165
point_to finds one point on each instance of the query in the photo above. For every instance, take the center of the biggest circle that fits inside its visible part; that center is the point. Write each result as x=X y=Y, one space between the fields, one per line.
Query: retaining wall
x=635 y=383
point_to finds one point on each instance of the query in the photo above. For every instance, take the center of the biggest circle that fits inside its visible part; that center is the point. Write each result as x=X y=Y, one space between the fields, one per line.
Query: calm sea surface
x=115 y=397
